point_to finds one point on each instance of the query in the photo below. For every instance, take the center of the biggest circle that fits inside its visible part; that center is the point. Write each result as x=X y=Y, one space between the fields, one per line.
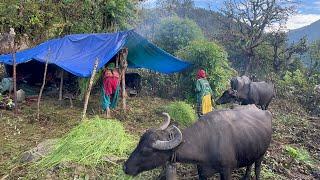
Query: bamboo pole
x=124 y=65
x=43 y=84
x=61 y=86
x=89 y=89
x=15 y=83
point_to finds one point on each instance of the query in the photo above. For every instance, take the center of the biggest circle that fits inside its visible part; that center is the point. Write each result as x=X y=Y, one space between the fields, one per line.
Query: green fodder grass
x=181 y=112
x=89 y=142
x=300 y=154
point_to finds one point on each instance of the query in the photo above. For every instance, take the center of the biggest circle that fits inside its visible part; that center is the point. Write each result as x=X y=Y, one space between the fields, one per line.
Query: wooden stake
x=15 y=83
x=124 y=65
x=43 y=84
x=61 y=86
x=89 y=89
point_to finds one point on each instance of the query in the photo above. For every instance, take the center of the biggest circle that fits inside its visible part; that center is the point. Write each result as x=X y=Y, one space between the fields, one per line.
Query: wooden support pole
x=14 y=82
x=117 y=61
x=42 y=86
x=86 y=100
x=124 y=65
x=61 y=86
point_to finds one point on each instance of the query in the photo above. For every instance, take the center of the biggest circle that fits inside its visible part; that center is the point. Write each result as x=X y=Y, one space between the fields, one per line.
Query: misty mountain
x=312 y=32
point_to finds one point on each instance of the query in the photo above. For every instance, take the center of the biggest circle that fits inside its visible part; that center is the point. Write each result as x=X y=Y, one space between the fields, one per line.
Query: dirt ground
x=292 y=127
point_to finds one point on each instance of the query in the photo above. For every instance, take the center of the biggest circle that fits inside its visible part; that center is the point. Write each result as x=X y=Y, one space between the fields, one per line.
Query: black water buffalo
x=258 y=93
x=238 y=83
x=220 y=141
x=133 y=81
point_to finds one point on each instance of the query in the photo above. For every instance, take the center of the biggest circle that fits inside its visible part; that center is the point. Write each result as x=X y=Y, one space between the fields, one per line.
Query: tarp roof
x=77 y=53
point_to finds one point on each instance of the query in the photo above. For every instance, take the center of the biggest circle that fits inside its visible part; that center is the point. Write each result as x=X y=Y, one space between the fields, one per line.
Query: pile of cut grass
x=89 y=143
x=181 y=112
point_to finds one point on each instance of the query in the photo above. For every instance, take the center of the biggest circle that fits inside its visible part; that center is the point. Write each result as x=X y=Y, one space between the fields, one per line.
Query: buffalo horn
x=166 y=123
x=166 y=145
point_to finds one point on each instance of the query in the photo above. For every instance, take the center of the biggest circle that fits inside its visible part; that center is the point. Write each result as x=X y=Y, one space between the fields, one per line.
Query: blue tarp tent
x=77 y=53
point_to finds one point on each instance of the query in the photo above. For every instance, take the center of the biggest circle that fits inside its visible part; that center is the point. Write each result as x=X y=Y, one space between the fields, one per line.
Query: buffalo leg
x=257 y=167
x=248 y=172
x=225 y=174
x=200 y=173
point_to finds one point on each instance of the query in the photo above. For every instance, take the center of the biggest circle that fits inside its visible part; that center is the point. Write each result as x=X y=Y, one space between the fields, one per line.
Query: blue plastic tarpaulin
x=77 y=53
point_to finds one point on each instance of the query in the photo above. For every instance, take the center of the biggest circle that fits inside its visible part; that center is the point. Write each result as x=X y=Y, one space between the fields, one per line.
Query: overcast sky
x=308 y=11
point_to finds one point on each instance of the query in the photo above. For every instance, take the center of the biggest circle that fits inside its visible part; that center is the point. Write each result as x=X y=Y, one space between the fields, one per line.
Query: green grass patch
x=290 y=120
x=268 y=174
x=299 y=154
x=181 y=112
x=89 y=142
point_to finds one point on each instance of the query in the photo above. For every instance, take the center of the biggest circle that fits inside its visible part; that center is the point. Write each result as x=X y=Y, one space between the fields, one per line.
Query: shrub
x=83 y=84
x=213 y=59
x=181 y=112
x=162 y=85
x=296 y=83
x=299 y=154
x=89 y=142
x=175 y=33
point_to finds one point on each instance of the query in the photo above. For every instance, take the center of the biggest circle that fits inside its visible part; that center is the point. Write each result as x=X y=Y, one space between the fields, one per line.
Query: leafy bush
x=83 y=84
x=175 y=33
x=293 y=83
x=213 y=59
x=299 y=154
x=89 y=142
x=181 y=112
x=161 y=85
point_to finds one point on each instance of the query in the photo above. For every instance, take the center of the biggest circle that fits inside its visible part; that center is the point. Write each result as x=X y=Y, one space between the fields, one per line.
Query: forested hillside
x=311 y=32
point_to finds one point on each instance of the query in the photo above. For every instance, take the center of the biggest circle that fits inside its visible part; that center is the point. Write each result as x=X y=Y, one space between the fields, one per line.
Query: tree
x=180 y=7
x=314 y=55
x=42 y=20
x=249 y=21
x=213 y=59
x=175 y=33
x=282 y=52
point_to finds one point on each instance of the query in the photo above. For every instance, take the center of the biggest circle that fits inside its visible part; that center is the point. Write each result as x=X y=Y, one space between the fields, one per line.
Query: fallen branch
x=4 y=177
x=313 y=118
x=108 y=160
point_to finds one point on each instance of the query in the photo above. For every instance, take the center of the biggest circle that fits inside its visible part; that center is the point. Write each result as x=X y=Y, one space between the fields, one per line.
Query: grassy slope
x=291 y=126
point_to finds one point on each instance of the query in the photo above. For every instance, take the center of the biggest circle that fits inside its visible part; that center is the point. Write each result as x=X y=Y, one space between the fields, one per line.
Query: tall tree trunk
x=248 y=64
x=276 y=60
